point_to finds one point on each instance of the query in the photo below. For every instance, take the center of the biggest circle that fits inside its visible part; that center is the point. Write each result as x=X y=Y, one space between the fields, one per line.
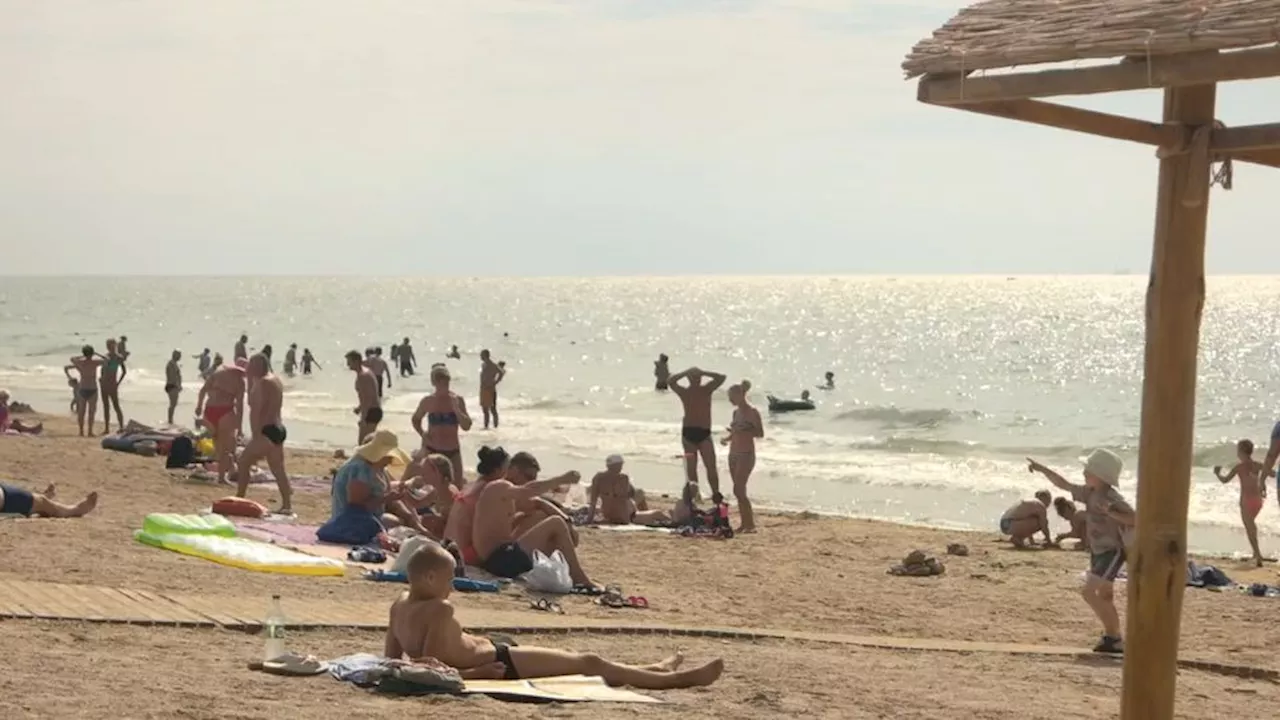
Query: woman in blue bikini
x=446 y=414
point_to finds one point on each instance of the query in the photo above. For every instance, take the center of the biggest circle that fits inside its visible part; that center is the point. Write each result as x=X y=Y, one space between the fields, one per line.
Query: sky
x=552 y=137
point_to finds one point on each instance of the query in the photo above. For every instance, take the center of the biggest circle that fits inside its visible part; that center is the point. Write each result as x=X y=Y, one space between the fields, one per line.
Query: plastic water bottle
x=273 y=631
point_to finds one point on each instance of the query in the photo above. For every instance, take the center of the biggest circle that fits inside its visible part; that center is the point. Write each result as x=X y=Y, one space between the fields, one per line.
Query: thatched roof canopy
x=1005 y=33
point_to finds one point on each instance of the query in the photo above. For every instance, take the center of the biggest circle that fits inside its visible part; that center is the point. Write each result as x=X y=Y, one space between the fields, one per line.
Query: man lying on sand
x=620 y=502
x=17 y=501
x=1026 y=518
x=423 y=625
x=1108 y=522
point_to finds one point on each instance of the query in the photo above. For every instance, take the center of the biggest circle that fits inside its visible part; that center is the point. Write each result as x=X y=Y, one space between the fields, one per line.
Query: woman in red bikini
x=1253 y=491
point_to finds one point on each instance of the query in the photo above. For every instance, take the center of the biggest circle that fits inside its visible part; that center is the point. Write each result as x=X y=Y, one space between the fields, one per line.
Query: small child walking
x=1109 y=519
x=1253 y=491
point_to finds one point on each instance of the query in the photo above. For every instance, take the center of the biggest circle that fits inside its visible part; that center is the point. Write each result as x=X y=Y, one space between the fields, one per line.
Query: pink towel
x=280 y=533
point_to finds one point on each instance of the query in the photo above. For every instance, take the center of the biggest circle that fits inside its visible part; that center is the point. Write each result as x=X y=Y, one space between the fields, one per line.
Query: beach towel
x=276 y=532
x=634 y=528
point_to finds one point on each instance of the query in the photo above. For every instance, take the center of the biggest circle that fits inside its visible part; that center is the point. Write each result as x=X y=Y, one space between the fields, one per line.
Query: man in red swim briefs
x=221 y=406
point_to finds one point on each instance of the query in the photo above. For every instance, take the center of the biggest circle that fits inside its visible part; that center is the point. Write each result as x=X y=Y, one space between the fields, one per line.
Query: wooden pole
x=1175 y=298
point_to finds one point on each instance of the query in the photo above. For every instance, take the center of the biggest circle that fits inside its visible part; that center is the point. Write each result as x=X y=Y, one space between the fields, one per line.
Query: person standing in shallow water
x=308 y=360
x=173 y=381
x=113 y=372
x=291 y=360
x=695 y=429
x=490 y=375
x=406 y=358
x=1253 y=492
x=661 y=372
x=242 y=348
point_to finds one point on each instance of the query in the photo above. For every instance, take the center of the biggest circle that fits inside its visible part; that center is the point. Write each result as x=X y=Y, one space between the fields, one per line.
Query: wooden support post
x=1175 y=298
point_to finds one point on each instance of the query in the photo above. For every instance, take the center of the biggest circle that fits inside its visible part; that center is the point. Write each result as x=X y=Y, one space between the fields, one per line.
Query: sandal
x=586 y=590
x=546 y=605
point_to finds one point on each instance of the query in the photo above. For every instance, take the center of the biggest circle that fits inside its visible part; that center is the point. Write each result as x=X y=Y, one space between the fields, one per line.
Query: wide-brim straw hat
x=382 y=444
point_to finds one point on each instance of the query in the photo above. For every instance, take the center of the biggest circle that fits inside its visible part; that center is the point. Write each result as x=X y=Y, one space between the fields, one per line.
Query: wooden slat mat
x=55 y=601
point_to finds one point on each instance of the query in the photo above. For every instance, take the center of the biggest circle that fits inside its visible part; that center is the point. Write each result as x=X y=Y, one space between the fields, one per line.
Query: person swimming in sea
x=830 y=381
x=777 y=405
x=661 y=372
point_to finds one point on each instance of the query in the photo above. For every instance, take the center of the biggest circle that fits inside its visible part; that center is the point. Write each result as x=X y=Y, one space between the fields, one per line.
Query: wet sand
x=800 y=572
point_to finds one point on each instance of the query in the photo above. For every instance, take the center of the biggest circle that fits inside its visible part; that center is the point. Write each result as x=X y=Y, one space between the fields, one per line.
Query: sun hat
x=1104 y=465
x=381 y=444
x=614 y=459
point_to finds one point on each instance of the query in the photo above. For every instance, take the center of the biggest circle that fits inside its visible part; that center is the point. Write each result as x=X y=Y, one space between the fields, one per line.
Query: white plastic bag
x=549 y=574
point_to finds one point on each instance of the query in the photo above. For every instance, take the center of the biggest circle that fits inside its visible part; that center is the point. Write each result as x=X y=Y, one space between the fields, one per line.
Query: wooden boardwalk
x=88 y=603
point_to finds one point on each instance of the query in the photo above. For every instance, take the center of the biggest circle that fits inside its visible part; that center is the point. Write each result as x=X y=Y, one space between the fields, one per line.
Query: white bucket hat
x=1104 y=465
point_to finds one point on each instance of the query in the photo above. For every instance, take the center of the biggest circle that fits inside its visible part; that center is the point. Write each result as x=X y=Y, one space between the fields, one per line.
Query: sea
x=943 y=385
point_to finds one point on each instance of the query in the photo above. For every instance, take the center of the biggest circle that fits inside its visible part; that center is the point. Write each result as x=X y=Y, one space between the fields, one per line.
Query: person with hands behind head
x=422 y=625
x=1109 y=519
x=483 y=521
x=695 y=427
x=446 y=414
x=1253 y=491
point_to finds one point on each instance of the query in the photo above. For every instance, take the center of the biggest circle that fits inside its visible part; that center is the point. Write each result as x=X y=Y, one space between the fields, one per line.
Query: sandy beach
x=801 y=573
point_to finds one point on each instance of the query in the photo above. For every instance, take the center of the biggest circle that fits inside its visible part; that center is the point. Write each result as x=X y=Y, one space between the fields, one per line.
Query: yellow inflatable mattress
x=243 y=553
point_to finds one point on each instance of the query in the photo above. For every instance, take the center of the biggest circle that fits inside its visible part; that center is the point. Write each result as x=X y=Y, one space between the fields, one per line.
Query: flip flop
x=586 y=590
x=546 y=605
x=638 y=602
x=292 y=665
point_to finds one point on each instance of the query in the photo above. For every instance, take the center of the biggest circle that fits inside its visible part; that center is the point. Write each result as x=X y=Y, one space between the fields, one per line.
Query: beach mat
x=569 y=688
x=631 y=528
x=303 y=539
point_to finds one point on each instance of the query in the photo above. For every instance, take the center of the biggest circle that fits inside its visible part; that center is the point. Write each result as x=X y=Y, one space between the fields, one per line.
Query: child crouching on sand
x=423 y=626
x=1108 y=521
x=1253 y=491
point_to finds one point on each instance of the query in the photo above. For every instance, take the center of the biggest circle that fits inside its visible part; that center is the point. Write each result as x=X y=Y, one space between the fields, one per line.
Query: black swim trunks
x=379 y=386
x=508 y=561
x=17 y=501
x=502 y=654
x=170 y=388
x=695 y=435
x=373 y=416
x=87 y=393
x=275 y=433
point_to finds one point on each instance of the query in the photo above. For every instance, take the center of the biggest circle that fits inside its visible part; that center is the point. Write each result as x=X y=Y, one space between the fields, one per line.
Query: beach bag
x=549 y=574
x=182 y=452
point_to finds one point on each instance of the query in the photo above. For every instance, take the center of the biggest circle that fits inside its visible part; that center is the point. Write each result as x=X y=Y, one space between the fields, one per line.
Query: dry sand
x=798 y=573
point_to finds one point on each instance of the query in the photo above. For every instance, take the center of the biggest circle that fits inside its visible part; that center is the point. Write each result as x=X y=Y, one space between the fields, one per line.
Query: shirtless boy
x=422 y=625
x=266 y=400
x=695 y=431
x=373 y=360
x=368 y=409
x=1026 y=518
x=1253 y=491
x=221 y=405
x=612 y=491
x=291 y=360
x=173 y=381
x=490 y=375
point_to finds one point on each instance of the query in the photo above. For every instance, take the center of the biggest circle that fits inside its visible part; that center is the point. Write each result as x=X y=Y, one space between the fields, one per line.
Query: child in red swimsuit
x=1253 y=490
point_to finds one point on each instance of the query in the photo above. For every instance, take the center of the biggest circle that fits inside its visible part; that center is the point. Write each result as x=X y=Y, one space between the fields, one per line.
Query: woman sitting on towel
x=433 y=472
x=363 y=503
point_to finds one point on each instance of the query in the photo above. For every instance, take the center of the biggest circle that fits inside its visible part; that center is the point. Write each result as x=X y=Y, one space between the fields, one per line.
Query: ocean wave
x=67 y=349
x=890 y=416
